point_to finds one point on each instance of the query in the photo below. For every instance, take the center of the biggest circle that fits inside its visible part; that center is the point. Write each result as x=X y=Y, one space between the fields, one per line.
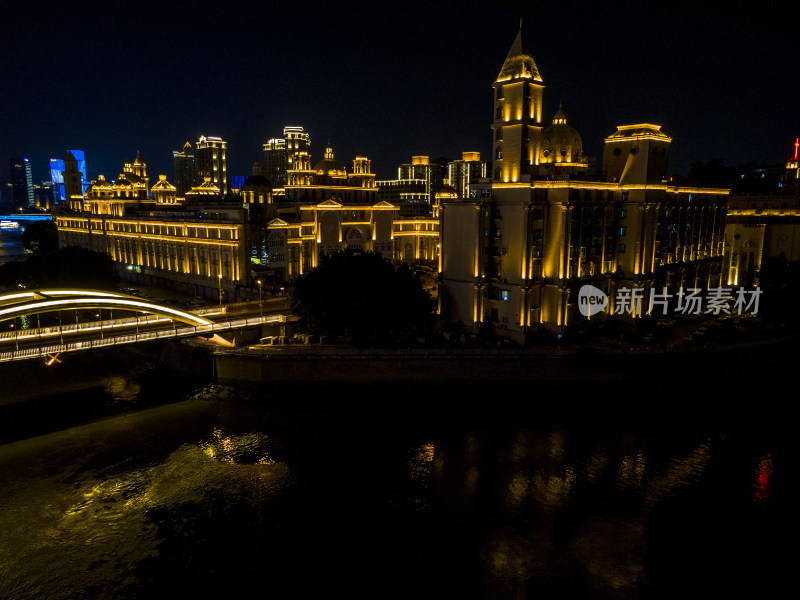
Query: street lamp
x=219 y=277
x=260 y=306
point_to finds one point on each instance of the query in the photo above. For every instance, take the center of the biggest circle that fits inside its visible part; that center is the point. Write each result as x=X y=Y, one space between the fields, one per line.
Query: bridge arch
x=17 y=304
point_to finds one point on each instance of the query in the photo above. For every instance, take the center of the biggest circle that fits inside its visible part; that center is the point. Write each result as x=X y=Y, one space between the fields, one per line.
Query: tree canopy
x=68 y=266
x=361 y=296
x=40 y=237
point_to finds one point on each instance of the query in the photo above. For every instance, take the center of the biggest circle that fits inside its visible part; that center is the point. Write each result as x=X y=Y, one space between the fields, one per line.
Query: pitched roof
x=519 y=63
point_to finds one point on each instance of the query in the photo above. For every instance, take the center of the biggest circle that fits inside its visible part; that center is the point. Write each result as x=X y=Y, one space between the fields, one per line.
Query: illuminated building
x=415 y=187
x=43 y=195
x=154 y=237
x=57 y=168
x=211 y=161
x=256 y=194
x=763 y=226
x=416 y=239
x=326 y=209
x=185 y=164
x=279 y=154
x=514 y=259
x=21 y=184
x=467 y=171
x=73 y=179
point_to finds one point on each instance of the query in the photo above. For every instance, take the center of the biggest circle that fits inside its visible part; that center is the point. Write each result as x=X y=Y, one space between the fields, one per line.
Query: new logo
x=591 y=300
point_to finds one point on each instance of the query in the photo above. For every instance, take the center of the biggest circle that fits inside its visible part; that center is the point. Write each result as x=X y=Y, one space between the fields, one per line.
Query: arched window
x=276 y=246
x=498 y=154
x=355 y=239
x=499 y=112
x=408 y=254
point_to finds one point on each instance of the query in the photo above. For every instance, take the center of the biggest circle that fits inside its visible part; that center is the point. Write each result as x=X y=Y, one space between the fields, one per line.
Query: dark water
x=11 y=247
x=399 y=491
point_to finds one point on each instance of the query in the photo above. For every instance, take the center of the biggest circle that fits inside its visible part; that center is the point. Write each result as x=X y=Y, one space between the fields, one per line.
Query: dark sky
x=386 y=81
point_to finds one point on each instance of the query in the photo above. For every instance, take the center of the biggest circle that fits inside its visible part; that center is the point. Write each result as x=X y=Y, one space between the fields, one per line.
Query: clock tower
x=517 y=127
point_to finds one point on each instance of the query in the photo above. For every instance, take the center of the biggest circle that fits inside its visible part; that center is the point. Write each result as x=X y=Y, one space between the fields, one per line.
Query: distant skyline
x=406 y=80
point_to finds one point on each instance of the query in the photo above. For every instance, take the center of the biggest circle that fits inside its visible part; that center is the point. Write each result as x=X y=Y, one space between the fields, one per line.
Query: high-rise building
x=416 y=185
x=185 y=164
x=279 y=154
x=21 y=184
x=211 y=161
x=465 y=172
x=513 y=260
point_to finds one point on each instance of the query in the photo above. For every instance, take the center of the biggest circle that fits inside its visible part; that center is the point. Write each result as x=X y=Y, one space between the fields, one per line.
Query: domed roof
x=561 y=142
x=329 y=165
x=133 y=178
x=163 y=184
x=101 y=182
x=122 y=180
x=256 y=183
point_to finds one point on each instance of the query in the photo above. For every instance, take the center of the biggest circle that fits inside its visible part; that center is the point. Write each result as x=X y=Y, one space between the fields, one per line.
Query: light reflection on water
x=89 y=528
x=218 y=494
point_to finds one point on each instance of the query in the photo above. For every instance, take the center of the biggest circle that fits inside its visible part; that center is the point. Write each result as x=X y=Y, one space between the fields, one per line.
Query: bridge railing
x=183 y=331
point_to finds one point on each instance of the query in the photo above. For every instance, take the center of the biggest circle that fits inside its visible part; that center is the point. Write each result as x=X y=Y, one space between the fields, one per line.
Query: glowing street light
x=260 y=306
x=219 y=276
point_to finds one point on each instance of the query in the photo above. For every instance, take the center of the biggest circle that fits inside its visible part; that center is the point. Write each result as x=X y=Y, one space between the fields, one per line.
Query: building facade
x=279 y=154
x=325 y=209
x=196 y=248
x=185 y=164
x=513 y=262
x=764 y=227
x=212 y=161
x=416 y=186
x=21 y=184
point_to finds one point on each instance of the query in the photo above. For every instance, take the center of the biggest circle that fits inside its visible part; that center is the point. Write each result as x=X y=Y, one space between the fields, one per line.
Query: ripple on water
x=67 y=537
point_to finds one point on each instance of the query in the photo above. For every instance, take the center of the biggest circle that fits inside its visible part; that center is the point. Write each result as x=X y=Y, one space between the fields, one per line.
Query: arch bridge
x=159 y=321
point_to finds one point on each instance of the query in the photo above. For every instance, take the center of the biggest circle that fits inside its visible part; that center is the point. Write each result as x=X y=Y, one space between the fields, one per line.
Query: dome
x=100 y=182
x=123 y=180
x=561 y=142
x=256 y=183
x=329 y=165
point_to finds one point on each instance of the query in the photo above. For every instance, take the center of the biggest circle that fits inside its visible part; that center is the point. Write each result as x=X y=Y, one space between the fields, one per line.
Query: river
x=149 y=485
x=451 y=491
x=11 y=247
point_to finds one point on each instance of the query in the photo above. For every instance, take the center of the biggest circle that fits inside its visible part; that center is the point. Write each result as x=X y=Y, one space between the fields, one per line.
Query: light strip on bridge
x=114 y=301
x=60 y=293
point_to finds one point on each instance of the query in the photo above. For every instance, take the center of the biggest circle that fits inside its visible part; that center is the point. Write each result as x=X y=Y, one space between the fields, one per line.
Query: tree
x=361 y=296
x=70 y=266
x=40 y=237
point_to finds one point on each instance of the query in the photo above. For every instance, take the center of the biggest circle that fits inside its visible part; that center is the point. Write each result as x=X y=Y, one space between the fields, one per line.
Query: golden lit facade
x=326 y=209
x=212 y=161
x=154 y=239
x=517 y=126
x=762 y=227
x=515 y=261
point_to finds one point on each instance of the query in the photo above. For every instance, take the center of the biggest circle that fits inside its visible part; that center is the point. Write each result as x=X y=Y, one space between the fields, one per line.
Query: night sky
x=388 y=82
